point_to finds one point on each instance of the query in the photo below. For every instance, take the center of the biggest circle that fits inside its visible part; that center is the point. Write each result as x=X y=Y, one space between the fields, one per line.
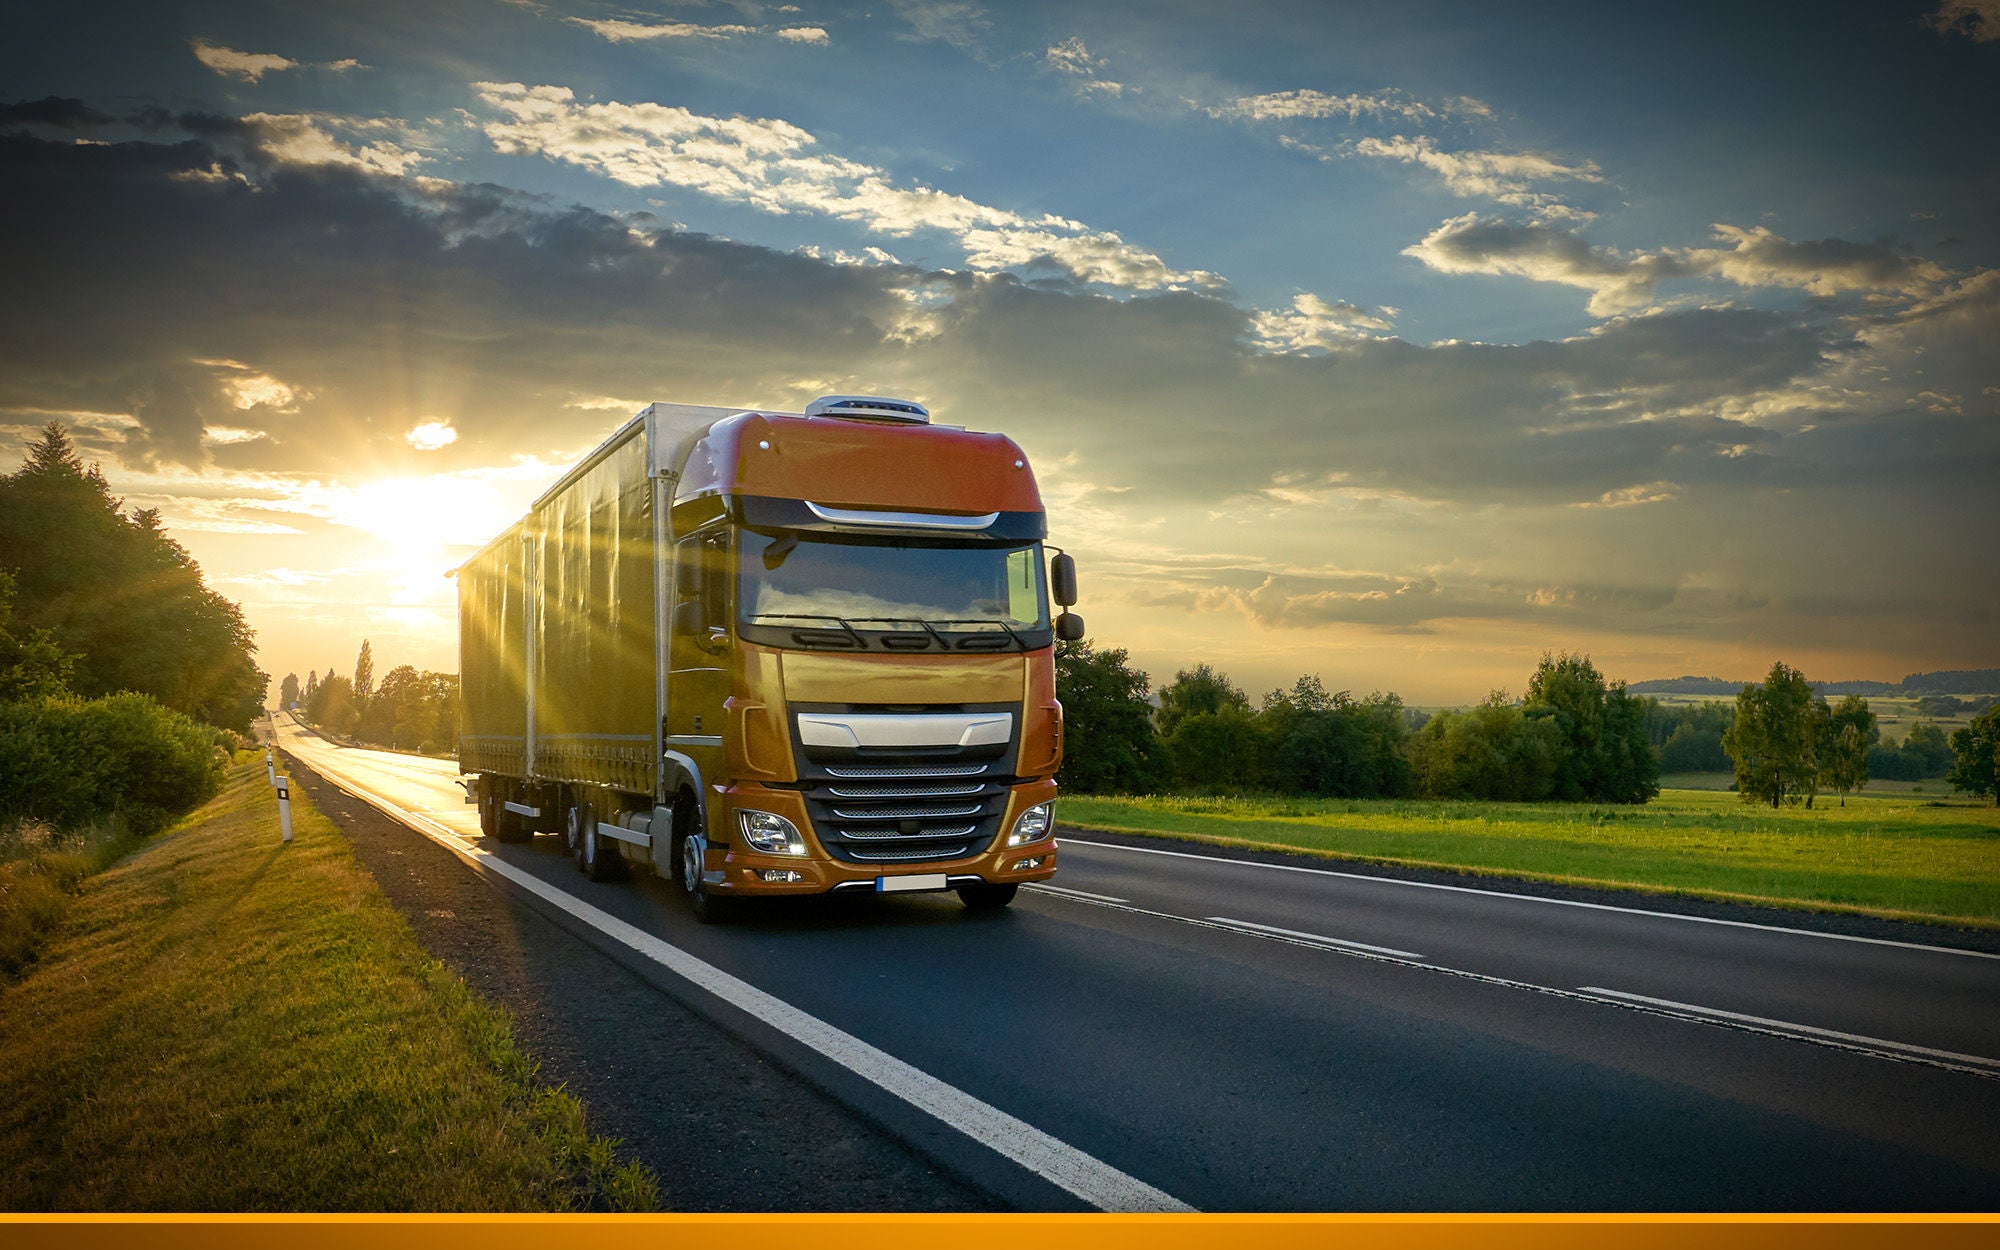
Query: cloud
x=781 y=168
x=1509 y=177
x=619 y=31
x=1978 y=20
x=58 y=111
x=1313 y=322
x=962 y=24
x=431 y=436
x=1696 y=473
x=1623 y=282
x=248 y=66
x=1305 y=103
x=1071 y=57
x=804 y=34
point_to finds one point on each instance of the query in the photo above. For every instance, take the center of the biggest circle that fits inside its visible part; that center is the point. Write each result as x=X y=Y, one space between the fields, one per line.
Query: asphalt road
x=1233 y=1035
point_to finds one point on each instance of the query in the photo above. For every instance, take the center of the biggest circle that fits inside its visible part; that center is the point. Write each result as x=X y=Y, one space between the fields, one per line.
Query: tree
x=1843 y=754
x=121 y=596
x=1198 y=690
x=1605 y=755
x=312 y=685
x=1109 y=746
x=1928 y=748
x=1976 y=770
x=288 y=690
x=364 y=676
x=1492 y=752
x=32 y=666
x=1771 y=742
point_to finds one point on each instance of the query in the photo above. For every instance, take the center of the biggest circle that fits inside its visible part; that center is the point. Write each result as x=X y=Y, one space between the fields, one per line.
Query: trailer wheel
x=983 y=897
x=690 y=845
x=572 y=827
x=509 y=826
x=489 y=809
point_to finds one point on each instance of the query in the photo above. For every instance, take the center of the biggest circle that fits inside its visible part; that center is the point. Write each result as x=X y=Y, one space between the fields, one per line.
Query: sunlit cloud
x=1509 y=177
x=804 y=34
x=1308 y=104
x=1978 y=20
x=1312 y=322
x=619 y=31
x=1071 y=57
x=782 y=168
x=248 y=66
x=432 y=436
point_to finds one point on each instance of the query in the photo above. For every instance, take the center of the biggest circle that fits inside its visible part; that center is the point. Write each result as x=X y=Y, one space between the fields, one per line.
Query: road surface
x=1163 y=1029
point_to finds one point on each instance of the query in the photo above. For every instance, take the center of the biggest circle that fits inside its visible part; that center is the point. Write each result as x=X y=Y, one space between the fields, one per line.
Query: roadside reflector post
x=284 y=785
x=270 y=768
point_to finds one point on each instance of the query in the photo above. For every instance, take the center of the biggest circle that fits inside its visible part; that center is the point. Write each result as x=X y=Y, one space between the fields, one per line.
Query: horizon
x=1396 y=347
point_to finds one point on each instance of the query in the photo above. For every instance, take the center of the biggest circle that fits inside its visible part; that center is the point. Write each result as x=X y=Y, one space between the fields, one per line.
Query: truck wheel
x=983 y=897
x=596 y=857
x=508 y=826
x=572 y=828
x=688 y=866
x=489 y=809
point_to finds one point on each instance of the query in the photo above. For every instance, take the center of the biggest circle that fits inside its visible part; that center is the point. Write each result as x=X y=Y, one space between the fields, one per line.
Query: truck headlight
x=770 y=833
x=1033 y=825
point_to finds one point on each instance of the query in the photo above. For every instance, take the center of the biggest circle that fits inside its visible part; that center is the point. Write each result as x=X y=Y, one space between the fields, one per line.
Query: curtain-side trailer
x=771 y=654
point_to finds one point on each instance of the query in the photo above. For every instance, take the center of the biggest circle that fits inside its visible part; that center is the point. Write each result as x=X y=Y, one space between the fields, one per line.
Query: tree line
x=123 y=677
x=1573 y=736
x=409 y=710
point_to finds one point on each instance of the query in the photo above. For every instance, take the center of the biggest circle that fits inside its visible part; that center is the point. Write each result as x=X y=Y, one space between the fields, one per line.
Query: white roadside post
x=284 y=785
x=270 y=768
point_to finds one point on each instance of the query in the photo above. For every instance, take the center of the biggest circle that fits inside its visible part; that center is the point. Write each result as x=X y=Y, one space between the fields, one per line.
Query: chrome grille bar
x=909 y=813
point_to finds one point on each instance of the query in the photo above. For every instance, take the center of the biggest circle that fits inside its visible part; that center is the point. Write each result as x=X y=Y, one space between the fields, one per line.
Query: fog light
x=781 y=876
x=769 y=833
x=1033 y=825
x=1021 y=864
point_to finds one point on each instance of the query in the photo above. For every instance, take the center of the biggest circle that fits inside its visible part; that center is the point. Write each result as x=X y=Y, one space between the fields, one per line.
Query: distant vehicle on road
x=772 y=654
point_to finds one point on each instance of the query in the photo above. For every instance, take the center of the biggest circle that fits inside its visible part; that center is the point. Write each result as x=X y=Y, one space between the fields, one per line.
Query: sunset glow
x=1395 y=345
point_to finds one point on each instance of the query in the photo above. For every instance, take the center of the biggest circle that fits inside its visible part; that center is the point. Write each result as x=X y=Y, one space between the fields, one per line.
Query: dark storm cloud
x=58 y=111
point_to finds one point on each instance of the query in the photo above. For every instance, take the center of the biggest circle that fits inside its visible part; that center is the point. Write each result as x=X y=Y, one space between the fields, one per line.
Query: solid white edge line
x=1082 y=1174
x=1534 y=898
x=1043 y=887
x=1314 y=937
x=1788 y=1026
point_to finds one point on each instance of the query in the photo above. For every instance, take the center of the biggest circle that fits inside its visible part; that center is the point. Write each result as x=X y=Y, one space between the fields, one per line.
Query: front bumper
x=734 y=868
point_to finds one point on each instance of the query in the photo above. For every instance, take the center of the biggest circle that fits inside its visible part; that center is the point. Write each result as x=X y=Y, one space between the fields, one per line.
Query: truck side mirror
x=1069 y=627
x=1062 y=579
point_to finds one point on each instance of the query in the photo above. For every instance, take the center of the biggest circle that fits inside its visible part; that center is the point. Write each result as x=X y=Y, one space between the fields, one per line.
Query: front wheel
x=984 y=897
x=690 y=849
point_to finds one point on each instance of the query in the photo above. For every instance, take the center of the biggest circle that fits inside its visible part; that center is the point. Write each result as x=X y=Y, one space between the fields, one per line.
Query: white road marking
x=1045 y=888
x=1789 y=1027
x=1314 y=937
x=1533 y=898
x=1900 y=1051
x=1082 y=1174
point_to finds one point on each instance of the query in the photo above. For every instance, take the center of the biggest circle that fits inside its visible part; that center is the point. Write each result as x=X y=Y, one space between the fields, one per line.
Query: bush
x=72 y=762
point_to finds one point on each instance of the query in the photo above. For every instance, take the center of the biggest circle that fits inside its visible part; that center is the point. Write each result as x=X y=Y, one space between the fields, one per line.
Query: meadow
x=1901 y=856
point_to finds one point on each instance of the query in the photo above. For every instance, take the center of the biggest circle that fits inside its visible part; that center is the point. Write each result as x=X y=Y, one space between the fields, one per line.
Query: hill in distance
x=1957 y=681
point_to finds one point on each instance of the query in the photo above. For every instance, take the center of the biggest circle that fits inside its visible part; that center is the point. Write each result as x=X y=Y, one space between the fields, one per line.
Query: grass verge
x=222 y=1023
x=41 y=873
x=1901 y=857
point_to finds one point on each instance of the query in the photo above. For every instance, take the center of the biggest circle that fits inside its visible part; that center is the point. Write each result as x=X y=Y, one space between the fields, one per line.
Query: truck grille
x=902 y=805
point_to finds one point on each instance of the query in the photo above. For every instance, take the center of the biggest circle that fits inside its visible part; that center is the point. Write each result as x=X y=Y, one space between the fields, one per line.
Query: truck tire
x=596 y=856
x=984 y=897
x=689 y=840
x=509 y=826
x=489 y=809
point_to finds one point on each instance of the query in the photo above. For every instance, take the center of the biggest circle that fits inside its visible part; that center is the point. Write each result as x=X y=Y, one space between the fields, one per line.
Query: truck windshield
x=798 y=581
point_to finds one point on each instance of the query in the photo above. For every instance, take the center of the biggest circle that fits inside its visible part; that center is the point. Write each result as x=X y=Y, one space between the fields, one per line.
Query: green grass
x=1901 y=856
x=41 y=872
x=222 y=1023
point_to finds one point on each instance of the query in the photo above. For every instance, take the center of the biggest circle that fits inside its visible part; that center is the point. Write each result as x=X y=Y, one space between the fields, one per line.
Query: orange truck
x=775 y=654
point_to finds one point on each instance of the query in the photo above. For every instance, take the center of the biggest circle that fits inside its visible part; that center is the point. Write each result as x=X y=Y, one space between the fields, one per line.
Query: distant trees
x=1976 y=768
x=1924 y=752
x=1492 y=751
x=364 y=673
x=408 y=710
x=1689 y=739
x=288 y=690
x=1109 y=746
x=115 y=593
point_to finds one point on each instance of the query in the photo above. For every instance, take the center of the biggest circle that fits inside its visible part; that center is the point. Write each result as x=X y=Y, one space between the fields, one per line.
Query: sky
x=1397 y=344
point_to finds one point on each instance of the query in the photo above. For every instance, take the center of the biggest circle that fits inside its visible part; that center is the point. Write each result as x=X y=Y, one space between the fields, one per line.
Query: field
x=1904 y=856
x=221 y=1023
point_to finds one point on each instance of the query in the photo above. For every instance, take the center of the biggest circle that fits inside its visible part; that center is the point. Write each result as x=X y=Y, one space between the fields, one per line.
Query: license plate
x=915 y=881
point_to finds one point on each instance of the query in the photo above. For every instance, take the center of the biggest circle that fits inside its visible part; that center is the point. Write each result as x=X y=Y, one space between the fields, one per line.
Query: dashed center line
x=1314 y=937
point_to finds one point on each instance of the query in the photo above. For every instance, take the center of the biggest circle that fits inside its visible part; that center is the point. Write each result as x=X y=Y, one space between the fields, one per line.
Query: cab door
x=699 y=648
